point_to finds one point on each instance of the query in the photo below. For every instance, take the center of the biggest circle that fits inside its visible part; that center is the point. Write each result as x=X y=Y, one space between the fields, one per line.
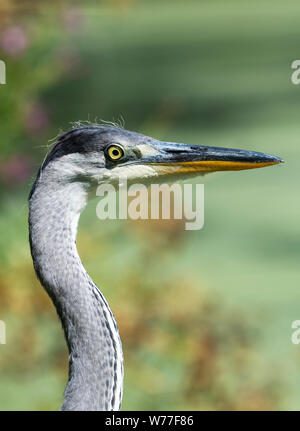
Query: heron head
x=107 y=154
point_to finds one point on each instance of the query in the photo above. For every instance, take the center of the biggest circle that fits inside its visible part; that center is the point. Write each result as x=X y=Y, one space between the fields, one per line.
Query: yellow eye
x=115 y=152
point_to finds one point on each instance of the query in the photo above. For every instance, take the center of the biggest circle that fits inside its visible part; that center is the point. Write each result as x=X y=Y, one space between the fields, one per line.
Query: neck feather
x=95 y=362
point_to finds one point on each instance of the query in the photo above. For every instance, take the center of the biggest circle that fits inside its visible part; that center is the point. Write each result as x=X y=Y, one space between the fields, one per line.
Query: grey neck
x=95 y=362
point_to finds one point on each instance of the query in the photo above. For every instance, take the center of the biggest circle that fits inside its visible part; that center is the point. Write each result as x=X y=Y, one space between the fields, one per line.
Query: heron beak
x=183 y=159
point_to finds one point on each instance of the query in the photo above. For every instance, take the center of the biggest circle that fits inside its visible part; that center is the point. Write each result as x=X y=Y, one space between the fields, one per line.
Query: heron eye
x=115 y=152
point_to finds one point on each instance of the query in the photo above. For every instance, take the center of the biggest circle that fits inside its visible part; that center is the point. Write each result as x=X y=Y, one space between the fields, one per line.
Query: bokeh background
x=205 y=316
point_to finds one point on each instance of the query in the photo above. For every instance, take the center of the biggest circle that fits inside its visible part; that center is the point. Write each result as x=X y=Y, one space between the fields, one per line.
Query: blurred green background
x=205 y=316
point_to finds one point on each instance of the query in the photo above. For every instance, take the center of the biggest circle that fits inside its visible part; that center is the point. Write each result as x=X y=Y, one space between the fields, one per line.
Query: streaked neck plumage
x=96 y=361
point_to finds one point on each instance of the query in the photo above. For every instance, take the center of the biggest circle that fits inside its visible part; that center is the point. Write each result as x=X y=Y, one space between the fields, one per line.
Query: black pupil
x=116 y=152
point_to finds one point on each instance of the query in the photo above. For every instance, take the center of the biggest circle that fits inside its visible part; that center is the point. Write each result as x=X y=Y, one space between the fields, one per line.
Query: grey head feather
x=84 y=140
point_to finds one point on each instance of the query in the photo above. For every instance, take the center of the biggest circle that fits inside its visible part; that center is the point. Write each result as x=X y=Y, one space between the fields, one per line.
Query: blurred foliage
x=204 y=316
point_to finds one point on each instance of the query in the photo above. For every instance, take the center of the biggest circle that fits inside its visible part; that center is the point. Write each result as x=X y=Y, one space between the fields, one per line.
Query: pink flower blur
x=36 y=120
x=13 y=40
x=72 y=18
x=16 y=170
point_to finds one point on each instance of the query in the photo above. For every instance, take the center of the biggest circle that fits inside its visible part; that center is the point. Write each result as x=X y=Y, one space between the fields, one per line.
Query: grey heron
x=80 y=160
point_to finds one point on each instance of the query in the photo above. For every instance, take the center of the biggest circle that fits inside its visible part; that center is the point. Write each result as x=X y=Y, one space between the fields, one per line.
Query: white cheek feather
x=131 y=173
